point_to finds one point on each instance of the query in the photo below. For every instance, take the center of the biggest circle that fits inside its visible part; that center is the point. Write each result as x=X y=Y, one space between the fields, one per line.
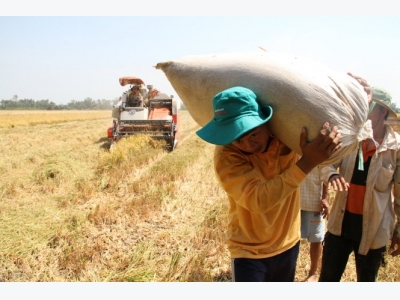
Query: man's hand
x=320 y=149
x=395 y=246
x=338 y=183
x=325 y=209
x=364 y=83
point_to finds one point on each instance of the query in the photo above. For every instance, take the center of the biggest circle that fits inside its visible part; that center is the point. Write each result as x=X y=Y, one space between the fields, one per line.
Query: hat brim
x=226 y=134
x=392 y=113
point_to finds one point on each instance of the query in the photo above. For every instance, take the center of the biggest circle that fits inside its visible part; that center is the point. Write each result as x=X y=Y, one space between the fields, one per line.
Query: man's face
x=377 y=116
x=254 y=141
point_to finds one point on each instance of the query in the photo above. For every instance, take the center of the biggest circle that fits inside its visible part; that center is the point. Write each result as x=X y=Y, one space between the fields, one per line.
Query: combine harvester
x=157 y=117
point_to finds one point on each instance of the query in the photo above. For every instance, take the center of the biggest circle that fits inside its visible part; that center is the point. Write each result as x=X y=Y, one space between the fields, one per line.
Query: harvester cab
x=157 y=116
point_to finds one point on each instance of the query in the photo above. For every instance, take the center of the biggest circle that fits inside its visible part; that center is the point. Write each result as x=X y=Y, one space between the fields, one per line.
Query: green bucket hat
x=236 y=111
x=384 y=99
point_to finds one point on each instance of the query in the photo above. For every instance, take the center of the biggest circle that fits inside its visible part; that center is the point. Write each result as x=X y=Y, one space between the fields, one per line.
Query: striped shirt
x=311 y=191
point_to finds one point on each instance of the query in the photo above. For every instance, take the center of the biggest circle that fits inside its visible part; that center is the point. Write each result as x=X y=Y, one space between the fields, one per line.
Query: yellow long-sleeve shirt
x=264 y=197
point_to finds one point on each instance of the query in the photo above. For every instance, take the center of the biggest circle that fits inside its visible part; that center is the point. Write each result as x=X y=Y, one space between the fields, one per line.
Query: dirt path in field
x=187 y=126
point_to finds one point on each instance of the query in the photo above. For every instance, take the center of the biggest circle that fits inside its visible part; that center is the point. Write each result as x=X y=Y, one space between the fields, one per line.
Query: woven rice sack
x=301 y=93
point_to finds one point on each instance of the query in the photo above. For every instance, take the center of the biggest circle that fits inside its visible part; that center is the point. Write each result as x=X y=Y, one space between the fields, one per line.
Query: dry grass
x=73 y=211
x=12 y=118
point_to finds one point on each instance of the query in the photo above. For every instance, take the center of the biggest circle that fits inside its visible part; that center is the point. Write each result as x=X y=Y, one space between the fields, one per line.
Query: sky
x=76 y=54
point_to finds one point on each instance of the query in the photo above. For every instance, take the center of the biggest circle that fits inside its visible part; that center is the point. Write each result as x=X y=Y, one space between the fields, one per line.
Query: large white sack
x=301 y=93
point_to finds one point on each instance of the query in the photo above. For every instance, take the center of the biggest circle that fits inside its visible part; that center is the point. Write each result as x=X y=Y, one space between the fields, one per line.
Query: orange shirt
x=263 y=190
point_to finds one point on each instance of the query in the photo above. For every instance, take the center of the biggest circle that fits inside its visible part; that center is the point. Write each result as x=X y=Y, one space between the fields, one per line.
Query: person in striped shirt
x=314 y=206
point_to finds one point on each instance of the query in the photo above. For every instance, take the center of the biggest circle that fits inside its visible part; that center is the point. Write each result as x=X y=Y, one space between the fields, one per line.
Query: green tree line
x=30 y=104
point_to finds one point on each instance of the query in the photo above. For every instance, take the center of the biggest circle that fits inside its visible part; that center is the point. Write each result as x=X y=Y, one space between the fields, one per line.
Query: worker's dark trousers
x=279 y=268
x=336 y=251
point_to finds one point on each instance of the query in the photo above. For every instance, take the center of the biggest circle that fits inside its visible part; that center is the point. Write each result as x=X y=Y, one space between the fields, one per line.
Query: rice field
x=72 y=211
x=12 y=118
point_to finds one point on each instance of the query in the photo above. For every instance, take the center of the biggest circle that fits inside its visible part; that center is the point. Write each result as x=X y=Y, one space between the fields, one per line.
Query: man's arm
x=244 y=183
x=325 y=209
x=395 y=244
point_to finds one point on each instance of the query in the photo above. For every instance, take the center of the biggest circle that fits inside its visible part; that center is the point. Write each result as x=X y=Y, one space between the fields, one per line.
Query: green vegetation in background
x=30 y=104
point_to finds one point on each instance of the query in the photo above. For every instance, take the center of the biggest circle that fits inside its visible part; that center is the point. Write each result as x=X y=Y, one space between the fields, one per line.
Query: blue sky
x=64 y=58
